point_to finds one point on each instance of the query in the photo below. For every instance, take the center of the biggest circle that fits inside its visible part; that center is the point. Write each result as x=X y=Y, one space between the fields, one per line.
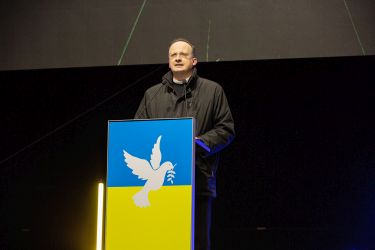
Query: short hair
x=180 y=39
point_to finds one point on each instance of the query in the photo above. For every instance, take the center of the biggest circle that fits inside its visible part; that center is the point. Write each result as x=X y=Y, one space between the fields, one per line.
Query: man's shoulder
x=154 y=88
x=209 y=84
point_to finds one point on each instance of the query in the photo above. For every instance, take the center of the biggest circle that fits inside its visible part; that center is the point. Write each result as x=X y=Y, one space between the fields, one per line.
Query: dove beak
x=174 y=165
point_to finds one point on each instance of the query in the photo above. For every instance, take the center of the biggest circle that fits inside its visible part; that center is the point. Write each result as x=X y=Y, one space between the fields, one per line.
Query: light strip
x=99 y=229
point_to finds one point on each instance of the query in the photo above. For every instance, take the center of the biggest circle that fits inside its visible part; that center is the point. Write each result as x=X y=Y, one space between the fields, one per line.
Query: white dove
x=153 y=173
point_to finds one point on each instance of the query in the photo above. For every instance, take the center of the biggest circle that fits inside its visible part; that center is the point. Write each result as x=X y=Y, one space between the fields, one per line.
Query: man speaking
x=182 y=93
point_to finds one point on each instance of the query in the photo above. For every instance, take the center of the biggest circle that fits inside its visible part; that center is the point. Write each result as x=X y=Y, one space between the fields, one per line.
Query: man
x=183 y=93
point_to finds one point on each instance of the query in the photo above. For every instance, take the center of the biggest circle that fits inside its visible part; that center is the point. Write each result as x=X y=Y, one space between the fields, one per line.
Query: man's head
x=181 y=58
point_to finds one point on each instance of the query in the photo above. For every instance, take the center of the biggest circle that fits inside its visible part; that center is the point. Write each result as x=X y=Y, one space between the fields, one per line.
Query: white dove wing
x=140 y=167
x=156 y=154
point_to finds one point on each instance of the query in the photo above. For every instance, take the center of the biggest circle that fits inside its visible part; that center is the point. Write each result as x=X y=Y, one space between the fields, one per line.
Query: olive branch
x=170 y=174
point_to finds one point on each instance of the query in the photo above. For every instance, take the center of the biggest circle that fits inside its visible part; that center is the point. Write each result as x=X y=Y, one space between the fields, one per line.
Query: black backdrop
x=300 y=174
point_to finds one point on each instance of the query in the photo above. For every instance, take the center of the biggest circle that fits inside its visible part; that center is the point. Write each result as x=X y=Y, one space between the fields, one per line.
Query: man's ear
x=195 y=61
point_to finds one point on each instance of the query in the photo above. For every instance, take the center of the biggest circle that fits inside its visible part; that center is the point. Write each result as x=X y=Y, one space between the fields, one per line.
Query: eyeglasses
x=182 y=55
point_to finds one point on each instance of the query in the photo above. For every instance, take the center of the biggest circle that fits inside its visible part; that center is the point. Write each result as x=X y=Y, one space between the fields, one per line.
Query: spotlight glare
x=99 y=229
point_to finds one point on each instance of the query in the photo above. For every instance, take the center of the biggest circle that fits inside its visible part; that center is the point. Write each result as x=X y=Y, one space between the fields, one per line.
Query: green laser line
x=208 y=39
x=131 y=33
x=355 y=29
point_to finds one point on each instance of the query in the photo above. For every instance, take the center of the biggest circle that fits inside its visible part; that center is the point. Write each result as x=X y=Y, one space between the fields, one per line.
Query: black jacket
x=206 y=102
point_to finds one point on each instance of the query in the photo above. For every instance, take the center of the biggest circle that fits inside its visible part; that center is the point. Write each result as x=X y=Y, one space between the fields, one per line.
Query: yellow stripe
x=165 y=224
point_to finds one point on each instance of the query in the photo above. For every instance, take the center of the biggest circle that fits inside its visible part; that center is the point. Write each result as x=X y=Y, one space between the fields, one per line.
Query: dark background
x=299 y=175
x=78 y=33
x=301 y=172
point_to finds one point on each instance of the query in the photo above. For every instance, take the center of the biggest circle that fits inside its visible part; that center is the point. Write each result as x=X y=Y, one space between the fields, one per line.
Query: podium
x=150 y=185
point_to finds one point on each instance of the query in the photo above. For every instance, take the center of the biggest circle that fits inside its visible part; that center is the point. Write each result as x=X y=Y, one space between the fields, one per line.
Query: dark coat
x=207 y=103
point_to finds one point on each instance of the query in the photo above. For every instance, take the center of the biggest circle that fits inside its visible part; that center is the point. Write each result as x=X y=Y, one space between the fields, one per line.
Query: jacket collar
x=168 y=79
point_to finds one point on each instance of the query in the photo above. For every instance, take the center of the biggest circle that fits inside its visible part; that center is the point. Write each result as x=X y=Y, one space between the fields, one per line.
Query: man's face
x=181 y=59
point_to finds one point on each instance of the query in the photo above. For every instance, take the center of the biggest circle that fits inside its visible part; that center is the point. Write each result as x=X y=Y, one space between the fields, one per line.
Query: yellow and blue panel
x=150 y=185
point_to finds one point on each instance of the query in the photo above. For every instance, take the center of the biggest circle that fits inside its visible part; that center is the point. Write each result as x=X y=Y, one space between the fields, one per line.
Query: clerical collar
x=180 y=82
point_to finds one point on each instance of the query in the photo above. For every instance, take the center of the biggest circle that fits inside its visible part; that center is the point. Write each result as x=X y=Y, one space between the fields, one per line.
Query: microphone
x=184 y=82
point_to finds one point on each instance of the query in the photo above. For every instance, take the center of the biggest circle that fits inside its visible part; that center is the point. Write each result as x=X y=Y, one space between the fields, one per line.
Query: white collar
x=180 y=82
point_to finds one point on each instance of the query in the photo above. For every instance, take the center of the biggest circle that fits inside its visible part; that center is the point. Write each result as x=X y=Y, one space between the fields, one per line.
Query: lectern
x=150 y=185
